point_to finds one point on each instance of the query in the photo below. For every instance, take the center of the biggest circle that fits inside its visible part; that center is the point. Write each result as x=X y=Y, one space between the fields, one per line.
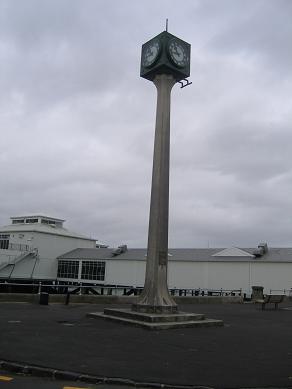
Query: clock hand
x=149 y=53
x=176 y=50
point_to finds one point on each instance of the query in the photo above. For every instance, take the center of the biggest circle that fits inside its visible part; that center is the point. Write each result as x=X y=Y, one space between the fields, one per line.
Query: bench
x=271 y=299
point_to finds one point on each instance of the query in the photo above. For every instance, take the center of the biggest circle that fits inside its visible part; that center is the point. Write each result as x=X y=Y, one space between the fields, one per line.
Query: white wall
x=49 y=248
x=272 y=275
x=206 y=275
x=24 y=268
x=20 y=237
x=8 y=255
x=228 y=275
x=186 y=275
x=32 y=267
x=49 y=245
x=46 y=269
x=130 y=273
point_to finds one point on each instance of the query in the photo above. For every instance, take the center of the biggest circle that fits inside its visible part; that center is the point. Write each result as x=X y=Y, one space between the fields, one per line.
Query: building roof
x=42 y=228
x=99 y=253
x=37 y=216
x=232 y=252
x=187 y=255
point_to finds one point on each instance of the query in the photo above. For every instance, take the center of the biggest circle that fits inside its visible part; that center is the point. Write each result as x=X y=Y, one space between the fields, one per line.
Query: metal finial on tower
x=166 y=25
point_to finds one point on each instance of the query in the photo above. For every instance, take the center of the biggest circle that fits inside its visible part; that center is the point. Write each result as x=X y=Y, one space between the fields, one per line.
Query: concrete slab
x=154 y=317
x=156 y=321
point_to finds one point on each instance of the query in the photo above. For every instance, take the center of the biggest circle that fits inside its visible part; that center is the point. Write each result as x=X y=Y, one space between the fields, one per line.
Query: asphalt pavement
x=252 y=350
x=15 y=381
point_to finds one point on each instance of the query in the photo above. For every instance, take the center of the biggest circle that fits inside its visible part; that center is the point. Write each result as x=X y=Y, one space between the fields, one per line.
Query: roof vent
x=120 y=250
x=263 y=246
x=261 y=250
x=123 y=248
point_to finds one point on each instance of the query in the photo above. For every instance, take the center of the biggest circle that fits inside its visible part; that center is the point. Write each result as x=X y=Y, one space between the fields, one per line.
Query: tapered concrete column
x=155 y=296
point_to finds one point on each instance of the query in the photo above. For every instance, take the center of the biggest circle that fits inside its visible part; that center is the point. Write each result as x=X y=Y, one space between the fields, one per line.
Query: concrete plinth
x=156 y=321
x=159 y=309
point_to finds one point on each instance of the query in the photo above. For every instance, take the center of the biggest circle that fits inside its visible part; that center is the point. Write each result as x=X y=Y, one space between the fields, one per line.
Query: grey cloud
x=253 y=154
x=78 y=122
x=261 y=29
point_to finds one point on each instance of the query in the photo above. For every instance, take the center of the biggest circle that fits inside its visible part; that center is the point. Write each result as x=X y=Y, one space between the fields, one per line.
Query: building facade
x=205 y=269
x=30 y=245
x=38 y=248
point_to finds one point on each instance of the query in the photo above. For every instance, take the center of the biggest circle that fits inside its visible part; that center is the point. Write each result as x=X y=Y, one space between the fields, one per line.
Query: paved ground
x=14 y=381
x=253 y=349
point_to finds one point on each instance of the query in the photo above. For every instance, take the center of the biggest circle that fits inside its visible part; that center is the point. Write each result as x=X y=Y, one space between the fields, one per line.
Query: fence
x=286 y=292
x=57 y=288
x=19 y=247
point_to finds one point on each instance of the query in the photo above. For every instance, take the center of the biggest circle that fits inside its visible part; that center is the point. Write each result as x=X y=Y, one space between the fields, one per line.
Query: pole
x=155 y=296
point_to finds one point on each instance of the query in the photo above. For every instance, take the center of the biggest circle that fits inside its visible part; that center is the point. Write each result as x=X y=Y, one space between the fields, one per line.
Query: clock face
x=178 y=53
x=151 y=53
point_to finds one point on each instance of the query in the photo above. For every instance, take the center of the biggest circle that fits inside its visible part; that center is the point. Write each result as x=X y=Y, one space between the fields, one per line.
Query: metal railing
x=286 y=292
x=206 y=292
x=79 y=288
x=13 y=260
x=18 y=247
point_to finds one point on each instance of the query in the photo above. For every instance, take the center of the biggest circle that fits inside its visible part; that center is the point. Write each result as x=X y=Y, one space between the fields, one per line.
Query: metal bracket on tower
x=184 y=83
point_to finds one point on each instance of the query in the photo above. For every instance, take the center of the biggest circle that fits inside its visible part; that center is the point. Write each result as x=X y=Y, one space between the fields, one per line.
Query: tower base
x=160 y=309
x=156 y=321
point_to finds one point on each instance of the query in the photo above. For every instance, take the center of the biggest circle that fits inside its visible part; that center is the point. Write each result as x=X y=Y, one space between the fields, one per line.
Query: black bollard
x=67 y=298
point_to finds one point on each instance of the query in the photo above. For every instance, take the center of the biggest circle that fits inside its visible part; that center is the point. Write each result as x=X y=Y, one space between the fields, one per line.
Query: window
x=31 y=220
x=93 y=270
x=4 y=236
x=4 y=241
x=45 y=221
x=18 y=221
x=68 y=269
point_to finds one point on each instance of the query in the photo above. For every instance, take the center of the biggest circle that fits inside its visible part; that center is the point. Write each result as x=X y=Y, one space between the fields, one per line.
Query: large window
x=18 y=221
x=4 y=241
x=45 y=221
x=93 y=270
x=68 y=269
x=29 y=221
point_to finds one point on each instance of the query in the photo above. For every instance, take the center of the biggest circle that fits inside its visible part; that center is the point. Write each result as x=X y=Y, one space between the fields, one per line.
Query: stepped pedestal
x=156 y=321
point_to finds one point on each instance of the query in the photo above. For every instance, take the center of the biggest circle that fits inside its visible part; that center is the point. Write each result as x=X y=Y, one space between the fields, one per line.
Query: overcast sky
x=77 y=121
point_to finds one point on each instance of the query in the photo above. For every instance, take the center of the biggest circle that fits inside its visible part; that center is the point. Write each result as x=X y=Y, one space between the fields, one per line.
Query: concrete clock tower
x=165 y=60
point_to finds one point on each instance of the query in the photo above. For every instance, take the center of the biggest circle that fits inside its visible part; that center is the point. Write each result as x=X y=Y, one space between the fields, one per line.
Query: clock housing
x=165 y=54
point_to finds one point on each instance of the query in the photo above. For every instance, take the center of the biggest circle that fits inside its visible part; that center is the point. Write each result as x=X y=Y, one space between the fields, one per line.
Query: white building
x=228 y=269
x=38 y=248
x=30 y=245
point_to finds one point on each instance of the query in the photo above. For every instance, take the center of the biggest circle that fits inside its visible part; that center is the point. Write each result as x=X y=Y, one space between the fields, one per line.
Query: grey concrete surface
x=28 y=382
x=253 y=349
